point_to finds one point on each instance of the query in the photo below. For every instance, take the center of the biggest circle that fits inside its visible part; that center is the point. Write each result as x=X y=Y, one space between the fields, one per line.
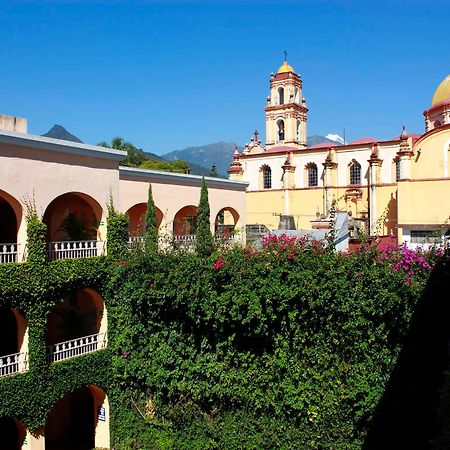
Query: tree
x=117 y=233
x=204 y=238
x=135 y=156
x=213 y=171
x=151 y=230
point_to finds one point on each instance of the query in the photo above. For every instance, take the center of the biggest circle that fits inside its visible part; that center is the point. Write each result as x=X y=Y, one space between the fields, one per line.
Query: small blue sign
x=101 y=414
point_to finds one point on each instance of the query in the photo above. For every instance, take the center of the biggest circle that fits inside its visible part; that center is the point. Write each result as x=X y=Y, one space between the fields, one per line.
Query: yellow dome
x=442 y=92
x=285 y=67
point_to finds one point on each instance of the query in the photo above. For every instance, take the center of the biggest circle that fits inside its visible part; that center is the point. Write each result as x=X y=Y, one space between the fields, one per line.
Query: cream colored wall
x=386 y=211
x=300 y=160
x=431 y=159
x=423 y=202
x=44 y=175
x=170 y=198
x=261 y=207
x=252 y=168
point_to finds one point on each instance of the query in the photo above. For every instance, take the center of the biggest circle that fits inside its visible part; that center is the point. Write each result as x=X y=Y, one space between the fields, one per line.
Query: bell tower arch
x=286 y=109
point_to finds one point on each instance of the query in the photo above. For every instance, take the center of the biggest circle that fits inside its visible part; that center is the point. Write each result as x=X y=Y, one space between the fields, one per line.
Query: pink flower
x=218 y=264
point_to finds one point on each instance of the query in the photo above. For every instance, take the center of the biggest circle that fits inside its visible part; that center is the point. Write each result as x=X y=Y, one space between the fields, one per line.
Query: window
x=267 y=177
x=355 y=172
x=280 y=131
x=281 y=96
x=397 y=170
x=425 y=237
x=312 y=175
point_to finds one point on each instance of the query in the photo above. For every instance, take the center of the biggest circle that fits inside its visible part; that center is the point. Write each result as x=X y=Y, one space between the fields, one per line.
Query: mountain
x=219 y=153
x=316 y=139
x=59 y=132
x=335 y=138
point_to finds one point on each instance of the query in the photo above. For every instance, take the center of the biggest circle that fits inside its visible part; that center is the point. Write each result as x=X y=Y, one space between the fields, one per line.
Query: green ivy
x=269 y=349
x=117 y=233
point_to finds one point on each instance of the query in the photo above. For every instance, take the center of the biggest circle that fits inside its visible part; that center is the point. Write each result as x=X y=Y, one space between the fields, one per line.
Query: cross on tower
x=285 y=55
x=256 y=134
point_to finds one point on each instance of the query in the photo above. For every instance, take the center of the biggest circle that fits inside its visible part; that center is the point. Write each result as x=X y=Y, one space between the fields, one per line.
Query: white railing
x=75 y=249
x=11 y=364
x=136 y=240
x=184 y=239
x=76 y=347
x=8 y=253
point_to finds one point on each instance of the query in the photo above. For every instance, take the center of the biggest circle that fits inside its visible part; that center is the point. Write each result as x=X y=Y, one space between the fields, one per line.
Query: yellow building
x=395 y=187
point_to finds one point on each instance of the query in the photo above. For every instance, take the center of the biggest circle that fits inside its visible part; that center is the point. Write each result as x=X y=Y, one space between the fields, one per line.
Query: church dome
x=285 y=67
x=442 y=92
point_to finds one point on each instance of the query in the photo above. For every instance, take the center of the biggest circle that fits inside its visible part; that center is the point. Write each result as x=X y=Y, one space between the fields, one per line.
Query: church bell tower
x=286 y=110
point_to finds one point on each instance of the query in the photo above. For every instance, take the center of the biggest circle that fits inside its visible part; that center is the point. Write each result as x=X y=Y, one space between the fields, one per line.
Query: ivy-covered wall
x=292 y=346
x=34 y=290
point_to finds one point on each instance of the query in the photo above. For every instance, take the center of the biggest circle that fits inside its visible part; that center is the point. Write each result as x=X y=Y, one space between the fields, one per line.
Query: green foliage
x=34 y=293
x=271 y=349
x=151 y=231
x=117 y=233
x=178 y=166
x=135 y=156
x=204 y=244
x=297 y=345
x=213 y=172
x=36 y=236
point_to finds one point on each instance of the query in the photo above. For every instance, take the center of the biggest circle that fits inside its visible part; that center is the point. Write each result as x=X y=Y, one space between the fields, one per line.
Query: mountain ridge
x=201 y=158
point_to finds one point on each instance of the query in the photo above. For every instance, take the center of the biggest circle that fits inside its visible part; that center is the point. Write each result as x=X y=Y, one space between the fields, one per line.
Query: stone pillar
x=374 y=180
x=287 y=221
x=404 y=154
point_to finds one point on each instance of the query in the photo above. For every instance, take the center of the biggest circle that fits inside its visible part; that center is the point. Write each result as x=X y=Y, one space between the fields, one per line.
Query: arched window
x=280 y=130
x=355 y=172
x=281 y=96
x=266 y=177
x=313 y=179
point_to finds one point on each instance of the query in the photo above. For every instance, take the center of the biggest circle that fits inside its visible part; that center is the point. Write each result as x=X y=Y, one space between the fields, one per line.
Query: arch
x=185 y=221
x=280 y=92
x=79 y=420
x=72 y=216
x=266 y=177
x=136 y=215
x=299 y=130
x=355 y=172
x=10 y=218
x=280 y=130
x=226 y=222
x=13 y=332
x=82 y=313
x=12 y=433
x=297 y=96
x=312 y=175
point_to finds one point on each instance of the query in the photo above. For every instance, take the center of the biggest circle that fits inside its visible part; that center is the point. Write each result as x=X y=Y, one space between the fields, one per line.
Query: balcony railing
x=76 y=347
x=11 y=364
x=74 y=249
x=136 y=240
x=8 y=252
x=184 y=240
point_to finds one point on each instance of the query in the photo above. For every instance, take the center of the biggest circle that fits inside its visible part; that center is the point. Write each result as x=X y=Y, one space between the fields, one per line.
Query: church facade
x=391 y=188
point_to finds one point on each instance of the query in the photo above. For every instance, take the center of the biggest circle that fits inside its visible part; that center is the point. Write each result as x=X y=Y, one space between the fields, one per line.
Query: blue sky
x=173 y=74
